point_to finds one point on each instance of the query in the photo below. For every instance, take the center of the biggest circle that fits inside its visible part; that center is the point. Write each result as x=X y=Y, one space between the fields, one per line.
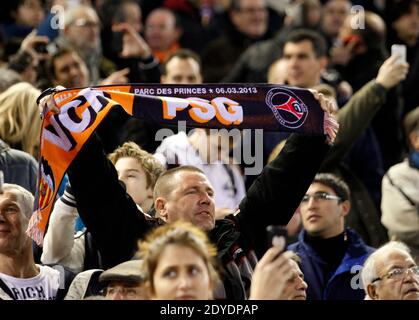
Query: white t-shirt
x=178 y=149
x=44 y=286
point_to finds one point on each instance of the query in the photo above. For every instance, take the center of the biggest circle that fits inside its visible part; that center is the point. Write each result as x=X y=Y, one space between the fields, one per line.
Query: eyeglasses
x=320 y=196
x=398 y=273
x=86 y=23
x=127 y=292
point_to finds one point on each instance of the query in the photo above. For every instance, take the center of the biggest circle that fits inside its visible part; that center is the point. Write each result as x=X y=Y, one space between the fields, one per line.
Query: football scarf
x=241 y=106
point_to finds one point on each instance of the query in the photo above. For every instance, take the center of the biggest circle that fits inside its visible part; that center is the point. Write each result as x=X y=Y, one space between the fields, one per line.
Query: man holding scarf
x=184 y=193
x=400 y=185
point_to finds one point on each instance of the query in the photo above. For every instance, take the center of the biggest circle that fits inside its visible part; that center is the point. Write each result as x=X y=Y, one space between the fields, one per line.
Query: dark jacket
x=18 y=167
x=326 y=284
x=252 y=66
x=114 y=221
x=220 y=54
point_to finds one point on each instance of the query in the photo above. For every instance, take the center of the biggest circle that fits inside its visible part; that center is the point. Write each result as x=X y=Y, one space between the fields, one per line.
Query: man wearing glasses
x=331 y=254
x=390 y=273
x=82 y=33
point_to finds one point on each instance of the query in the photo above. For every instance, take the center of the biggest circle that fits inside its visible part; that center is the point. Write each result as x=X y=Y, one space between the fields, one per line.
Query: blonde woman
x=20 y=123
x=179 y=263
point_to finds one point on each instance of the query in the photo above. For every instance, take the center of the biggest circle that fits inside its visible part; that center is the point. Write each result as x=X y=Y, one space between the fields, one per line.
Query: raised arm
x=277 y=192
x=60 y=246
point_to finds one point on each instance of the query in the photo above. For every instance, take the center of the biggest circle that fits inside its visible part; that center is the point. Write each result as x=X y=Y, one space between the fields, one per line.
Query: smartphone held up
x=277 y=236
x=400 y=51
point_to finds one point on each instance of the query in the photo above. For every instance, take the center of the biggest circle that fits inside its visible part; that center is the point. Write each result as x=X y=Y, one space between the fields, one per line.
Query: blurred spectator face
x=407 y=26
x=314 y=15
x=29 y=13
x=83 y=32
x=117 y=290
x=70 y=71
x=297 y=284
x=182 y=71
x=322 y=217
x=303 y=66
x=160 y=30
x=185 y=278
x=334 y=14
x=306 y=13
x=251 y=18
x=396 y=278
x=132 y=15
x=12 y=223
x=191 y=199
x=132 y=174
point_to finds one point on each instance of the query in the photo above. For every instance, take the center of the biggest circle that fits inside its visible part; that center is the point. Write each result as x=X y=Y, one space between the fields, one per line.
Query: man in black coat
x=185 y=193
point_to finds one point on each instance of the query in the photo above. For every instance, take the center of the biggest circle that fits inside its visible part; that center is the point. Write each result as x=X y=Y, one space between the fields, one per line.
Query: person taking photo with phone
x=358 y=58
x=402 y=19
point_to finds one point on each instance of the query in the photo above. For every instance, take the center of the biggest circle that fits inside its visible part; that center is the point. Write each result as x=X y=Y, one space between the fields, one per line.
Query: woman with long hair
x=20 y=124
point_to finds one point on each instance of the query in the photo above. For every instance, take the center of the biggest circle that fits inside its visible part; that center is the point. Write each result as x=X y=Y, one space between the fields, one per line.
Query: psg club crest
x=288 y=109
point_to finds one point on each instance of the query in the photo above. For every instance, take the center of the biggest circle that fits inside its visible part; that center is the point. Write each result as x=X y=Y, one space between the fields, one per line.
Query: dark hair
x=334 y=182
x=175 y=15
x=113 y=9
x=181 y=54
x=394 y=9
x=20 y=61
x=317 y=40
x=373 y=35
x=49 y=65
x=11 y=6
x=235 y=5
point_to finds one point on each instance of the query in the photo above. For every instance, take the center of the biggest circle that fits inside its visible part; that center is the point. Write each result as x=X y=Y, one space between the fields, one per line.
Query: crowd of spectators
x=151 y=224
